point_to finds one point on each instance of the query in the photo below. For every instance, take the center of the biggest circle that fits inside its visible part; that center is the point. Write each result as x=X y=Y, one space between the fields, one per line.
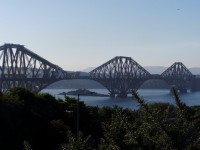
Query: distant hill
x=155 y=69
x=195 y=70
x=90 y=84
x=76 y=84
x=88 y=69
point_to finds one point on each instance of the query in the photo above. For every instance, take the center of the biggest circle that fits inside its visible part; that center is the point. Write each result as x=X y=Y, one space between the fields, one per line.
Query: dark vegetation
x=41 y=122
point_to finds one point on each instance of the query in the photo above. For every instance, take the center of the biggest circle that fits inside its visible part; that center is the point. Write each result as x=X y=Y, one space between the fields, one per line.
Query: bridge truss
x=119 y=75
x=179 y=76
x=22 y=68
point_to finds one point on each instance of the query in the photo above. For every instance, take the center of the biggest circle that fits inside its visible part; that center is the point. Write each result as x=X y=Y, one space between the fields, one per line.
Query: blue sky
x=76 y=34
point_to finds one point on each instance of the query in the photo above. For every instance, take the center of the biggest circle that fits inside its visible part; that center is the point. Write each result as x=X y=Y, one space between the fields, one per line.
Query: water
x=150 y=96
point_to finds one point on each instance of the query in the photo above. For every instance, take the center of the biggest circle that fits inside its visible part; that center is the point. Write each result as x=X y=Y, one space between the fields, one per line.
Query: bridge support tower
x=195 y=85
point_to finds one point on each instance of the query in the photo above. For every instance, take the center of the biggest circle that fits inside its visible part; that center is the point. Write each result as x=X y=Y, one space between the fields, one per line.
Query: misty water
x=149 y=95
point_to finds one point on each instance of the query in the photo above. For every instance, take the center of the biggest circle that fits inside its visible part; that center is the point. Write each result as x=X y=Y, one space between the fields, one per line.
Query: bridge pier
x=182 y=90
x=122 y=94
x=112 y=94
x=118 y=94
x=195 y=85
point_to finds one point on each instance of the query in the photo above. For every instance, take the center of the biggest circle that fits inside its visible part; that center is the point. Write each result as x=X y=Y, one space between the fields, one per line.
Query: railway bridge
x=20 y=67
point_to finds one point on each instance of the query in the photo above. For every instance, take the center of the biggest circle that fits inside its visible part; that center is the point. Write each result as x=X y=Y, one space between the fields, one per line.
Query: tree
x=169 y=127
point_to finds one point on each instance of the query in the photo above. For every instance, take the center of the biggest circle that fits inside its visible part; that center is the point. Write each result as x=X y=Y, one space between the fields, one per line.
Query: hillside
x=90 y=84
x=76 y=84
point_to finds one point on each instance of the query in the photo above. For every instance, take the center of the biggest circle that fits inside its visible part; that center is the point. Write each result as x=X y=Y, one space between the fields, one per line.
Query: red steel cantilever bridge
x=20 y=67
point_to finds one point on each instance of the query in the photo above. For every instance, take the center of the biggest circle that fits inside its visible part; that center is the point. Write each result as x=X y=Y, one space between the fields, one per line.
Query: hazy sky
x=76 y=34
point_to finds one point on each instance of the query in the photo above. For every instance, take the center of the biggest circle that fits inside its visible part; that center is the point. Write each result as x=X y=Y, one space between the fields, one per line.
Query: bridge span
x=20 y=67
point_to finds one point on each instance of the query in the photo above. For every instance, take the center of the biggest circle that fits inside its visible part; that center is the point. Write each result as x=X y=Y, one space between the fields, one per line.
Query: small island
x=84 y=92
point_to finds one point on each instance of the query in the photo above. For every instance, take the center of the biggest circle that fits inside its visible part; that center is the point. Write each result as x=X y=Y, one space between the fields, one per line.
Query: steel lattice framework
x=119 y=75
x=178 y=75
x=22 y=68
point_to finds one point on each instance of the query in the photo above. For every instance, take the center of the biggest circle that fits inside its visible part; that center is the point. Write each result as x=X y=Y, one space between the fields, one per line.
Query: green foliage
x=82 y=143
x=18 y=96
x=50 y=123
x=60 y=126
x=27 y=145
x=116 y=131
x=169 y=127
x=26 y=115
